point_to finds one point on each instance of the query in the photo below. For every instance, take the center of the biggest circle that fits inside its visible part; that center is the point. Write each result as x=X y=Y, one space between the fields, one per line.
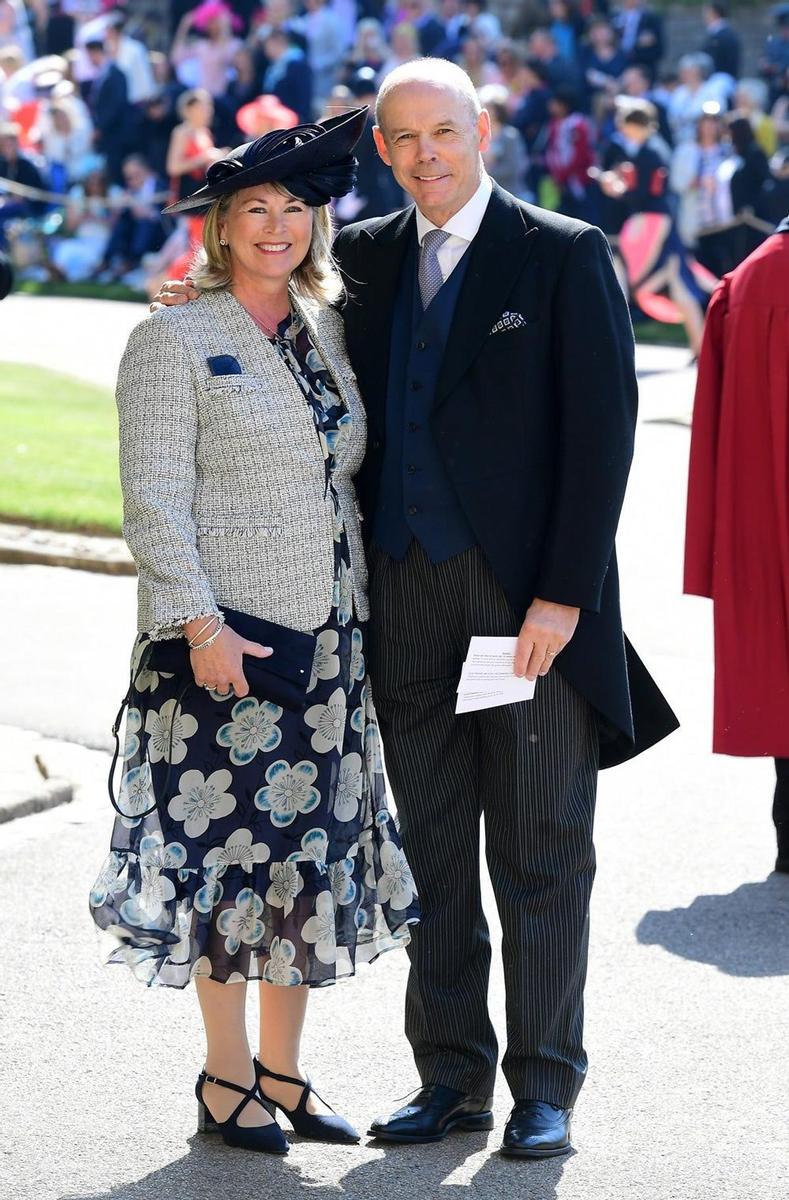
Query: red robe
x=737 y=543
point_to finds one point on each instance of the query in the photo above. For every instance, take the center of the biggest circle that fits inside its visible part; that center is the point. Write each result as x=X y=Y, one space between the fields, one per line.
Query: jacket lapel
x=369 y=315
x=498 y=256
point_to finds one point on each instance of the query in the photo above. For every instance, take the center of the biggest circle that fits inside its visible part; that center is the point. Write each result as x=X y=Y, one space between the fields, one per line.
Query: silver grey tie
x=430 y=277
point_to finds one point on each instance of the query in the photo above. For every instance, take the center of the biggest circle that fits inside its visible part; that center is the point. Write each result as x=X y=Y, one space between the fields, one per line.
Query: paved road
x=688 y=1020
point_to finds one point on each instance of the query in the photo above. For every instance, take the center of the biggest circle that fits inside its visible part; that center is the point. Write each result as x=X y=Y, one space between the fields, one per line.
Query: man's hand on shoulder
x=546 y=630
x=174 y=291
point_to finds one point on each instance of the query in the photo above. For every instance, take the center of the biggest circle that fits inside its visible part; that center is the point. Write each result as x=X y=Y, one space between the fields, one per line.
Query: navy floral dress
x=255 y=842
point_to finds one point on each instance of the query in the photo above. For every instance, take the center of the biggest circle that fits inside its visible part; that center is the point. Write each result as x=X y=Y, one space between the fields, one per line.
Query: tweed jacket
x=223 y=476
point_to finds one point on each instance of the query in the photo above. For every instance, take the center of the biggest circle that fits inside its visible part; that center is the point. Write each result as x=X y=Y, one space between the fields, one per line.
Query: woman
x=206 y=60
x=253 y=839
x=505 y=159
x=191 y=150
x=704 y=194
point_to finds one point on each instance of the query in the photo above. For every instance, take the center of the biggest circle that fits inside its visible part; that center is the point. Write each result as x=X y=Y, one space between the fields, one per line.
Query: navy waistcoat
x=416 y=498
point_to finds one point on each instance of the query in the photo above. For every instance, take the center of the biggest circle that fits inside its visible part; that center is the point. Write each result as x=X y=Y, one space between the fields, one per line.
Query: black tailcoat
x=534 y=423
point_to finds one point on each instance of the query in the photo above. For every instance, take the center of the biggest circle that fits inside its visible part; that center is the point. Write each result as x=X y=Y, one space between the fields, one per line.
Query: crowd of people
x=684 y=164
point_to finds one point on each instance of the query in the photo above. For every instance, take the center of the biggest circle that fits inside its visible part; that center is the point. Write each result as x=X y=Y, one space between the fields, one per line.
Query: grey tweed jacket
x=223 y=476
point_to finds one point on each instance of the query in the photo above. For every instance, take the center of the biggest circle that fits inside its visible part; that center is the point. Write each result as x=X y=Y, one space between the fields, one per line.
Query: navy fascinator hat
x=314 y=162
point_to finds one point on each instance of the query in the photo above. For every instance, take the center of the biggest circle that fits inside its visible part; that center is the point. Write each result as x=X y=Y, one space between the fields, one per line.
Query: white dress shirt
x=462 y=228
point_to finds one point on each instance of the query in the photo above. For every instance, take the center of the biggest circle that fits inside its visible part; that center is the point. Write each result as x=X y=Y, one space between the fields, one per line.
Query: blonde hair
x=315 y=278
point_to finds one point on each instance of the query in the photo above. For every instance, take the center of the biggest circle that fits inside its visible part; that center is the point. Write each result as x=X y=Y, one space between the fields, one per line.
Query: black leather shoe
x=536 y=1129
x=434 y=1111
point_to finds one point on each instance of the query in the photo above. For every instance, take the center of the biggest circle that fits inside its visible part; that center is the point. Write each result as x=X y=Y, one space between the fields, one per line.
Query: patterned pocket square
x=224 y=364
x=509 y=320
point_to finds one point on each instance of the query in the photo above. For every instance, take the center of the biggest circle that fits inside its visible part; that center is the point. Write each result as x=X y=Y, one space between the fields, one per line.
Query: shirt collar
x=465 y=223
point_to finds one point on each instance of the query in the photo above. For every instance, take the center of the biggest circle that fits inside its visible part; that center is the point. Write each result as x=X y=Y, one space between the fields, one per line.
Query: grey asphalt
x=687 y=1013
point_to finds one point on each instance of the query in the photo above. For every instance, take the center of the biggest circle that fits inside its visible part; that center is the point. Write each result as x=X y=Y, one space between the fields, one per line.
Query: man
x=774 y=62
x=430 y=30
x=636 y=84
x=108 y=101
x=138 y=228
x=494 y=352
x=288 y=75
x=722 y=42
x=641 y=34
x=737 y=515
x=501 y=416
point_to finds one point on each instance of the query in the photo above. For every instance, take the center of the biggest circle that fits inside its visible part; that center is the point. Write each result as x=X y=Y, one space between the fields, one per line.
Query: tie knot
x=433 y=240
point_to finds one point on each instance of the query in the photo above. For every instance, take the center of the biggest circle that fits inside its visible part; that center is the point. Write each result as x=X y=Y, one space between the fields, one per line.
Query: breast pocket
x=236 y=406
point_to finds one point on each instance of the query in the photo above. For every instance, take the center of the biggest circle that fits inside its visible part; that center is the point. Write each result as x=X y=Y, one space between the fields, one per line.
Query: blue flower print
x=253 y=728
x=289 y=791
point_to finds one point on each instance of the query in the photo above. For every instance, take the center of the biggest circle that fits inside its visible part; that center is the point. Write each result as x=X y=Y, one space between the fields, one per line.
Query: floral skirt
x=253 y=842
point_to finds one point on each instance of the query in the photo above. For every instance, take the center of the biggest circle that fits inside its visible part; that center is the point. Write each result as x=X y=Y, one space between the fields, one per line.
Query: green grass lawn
x=58 y=451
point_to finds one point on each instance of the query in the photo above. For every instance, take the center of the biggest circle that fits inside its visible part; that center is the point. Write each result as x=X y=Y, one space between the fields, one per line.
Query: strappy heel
x=310 y=1125
x=267 y=1138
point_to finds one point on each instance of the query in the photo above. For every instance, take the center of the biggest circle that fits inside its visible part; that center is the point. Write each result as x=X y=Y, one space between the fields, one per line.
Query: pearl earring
x=222 y=242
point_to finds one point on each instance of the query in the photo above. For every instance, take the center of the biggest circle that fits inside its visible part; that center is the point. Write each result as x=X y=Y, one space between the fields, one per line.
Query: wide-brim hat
x=314 y=162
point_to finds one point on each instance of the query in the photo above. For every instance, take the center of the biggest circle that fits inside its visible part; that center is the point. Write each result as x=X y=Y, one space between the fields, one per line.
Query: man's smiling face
x=431 y=138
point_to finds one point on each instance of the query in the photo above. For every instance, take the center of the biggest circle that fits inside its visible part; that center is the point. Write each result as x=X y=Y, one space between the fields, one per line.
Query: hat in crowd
x=314 y=162
x=363 y=82
x=263 y=115
x=210 y=11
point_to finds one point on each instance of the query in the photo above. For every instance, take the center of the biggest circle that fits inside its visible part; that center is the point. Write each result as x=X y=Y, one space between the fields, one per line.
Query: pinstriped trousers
x=531 y=768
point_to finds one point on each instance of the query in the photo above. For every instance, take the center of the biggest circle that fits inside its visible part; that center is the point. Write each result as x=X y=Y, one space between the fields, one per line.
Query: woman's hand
x=220 y=665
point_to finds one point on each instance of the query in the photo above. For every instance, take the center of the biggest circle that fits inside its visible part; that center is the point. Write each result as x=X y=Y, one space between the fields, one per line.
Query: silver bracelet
x=201 y=630
x=210 y=640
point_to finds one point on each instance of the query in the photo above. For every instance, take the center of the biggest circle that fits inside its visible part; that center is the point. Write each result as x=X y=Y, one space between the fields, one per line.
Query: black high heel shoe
x=310 y=1125
x=267 y=1138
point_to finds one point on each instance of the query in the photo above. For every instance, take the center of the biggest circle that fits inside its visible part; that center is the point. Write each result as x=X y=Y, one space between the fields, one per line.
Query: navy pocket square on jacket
x=224 y=364
x=509 y=320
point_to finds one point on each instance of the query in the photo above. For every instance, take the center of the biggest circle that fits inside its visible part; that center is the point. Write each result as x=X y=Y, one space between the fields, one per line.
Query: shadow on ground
x=744 y=933
x=211 y=1169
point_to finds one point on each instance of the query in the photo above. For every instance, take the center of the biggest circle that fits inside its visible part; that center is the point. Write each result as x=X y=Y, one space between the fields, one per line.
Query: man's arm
x=597 y=395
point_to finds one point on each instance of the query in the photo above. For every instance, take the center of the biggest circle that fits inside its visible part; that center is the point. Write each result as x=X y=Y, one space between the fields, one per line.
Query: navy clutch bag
x=283 y=677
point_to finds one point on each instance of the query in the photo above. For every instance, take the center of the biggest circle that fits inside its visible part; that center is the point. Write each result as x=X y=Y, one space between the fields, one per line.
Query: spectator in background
x=560 y=71
x=75 y=252
x=505 y=159
x=774 y=63
x=377 y=192
x=370 y=48
x=108 y=101
x=481 y=24
x=474 y=61
x=703 y=191
x=749 y=170
x=569 y=152
x=430 y=31
x=191 y=150
x=131 y=56
x=531 y=116
x=326 y=45
x=404 y=42
x=773 y=203
x=15 y=28
x=456 y=26
x=567 y=27
x=722 y=42
x=158 y=119
x=509 y=60
x=636 y=84
x=780 y=113
x=288 y=75
x=20 y=169
x=138 y=228
x=750 y=98
x=696 y=89
x=205 y=46
x=58 y=29
x=603 y=62
x=65 y=142
x=640 y=32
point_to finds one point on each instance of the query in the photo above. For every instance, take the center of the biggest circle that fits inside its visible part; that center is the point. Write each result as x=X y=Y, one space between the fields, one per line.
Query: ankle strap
x=261 y=1070
x=225 y=1083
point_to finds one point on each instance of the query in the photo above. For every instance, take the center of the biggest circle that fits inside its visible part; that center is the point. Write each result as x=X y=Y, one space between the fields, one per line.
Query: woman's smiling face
x=267 y=231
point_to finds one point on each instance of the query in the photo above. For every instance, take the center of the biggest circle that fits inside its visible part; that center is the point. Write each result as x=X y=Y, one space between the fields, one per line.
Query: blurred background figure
x=108 y=101
x=505 y=159
x=288 y=75
x=138 y=228
x=640 y=32
x=737 y=543
x=327 y=42
x=698 y=180
x=377 y=192
x=774 y=62
x=20 y=169
x=722 y=42
x=569 y=152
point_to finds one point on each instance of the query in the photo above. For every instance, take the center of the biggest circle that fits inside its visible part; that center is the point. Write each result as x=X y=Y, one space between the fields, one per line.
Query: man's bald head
x=433 y=72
